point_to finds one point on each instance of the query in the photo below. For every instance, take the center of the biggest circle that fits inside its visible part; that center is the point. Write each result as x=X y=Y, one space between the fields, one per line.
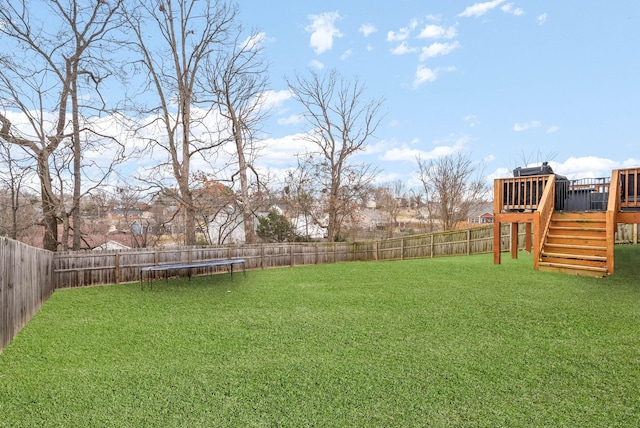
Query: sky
x=509 y=83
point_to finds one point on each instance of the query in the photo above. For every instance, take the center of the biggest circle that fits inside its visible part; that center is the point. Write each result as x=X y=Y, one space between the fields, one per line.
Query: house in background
x=227 y=227
x=482 y=214
x=111 y=245
x=307 y=227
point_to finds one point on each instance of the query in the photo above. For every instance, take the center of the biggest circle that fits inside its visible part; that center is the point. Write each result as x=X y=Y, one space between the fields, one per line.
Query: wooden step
x=575 y=256
x=578 y=224
x=579 y=215
x=576 y=231
x=587 y=264
x=579 y=242
x=578 y=246
x=575 y=250
x=573 y=270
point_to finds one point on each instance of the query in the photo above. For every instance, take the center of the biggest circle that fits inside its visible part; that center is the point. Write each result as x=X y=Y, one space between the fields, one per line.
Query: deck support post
x=514 y=240
x=527 y=237
x=496 y=241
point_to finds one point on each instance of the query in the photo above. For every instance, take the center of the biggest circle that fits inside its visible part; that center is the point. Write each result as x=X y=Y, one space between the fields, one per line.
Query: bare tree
x=16 y=208
x=341 y=122
x=239 y=79
x=216 y=207
x=389 y=197
x=302 y=194
x=57 y=60
x=453 y=185
x=174 y=39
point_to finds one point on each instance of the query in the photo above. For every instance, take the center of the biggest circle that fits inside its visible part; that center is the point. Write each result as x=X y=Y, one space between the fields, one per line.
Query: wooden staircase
x=576 y=243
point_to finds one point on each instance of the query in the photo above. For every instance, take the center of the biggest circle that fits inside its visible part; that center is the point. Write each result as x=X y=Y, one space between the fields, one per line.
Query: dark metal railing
x=630 y=188
x=586 y=194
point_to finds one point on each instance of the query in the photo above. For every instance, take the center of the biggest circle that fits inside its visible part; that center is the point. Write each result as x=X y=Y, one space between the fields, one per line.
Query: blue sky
x=502 y=81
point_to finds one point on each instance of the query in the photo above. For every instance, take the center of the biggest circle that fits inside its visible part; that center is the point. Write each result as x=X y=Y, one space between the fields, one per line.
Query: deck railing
x=523 y=194
x=586 y=194
x=629 y=188
x=520 y=193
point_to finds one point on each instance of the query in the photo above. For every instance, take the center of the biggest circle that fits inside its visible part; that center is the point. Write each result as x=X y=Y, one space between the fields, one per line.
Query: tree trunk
x=247 y=208
x=76 y=217
x=49 y=205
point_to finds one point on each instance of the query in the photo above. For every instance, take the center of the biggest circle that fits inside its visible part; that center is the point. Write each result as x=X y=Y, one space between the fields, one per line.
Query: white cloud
x=323 y=31
x=426 y=74
x=519 y=127
x=590 y=167
x=273 y=99
x=346 y=54
x=252 y=43
x=508 y=8
x=499 y=173
x=281 y=152
x=403 y=33
x=542 y=19
x=479 y=9
x=367 y=29
x=369 y=48
x=432 y=31
x=290 y=120
x=438 y=49
x=409 y=153
x=553 y=129
x=472 y=120
x=403 y=49
x=316 y=64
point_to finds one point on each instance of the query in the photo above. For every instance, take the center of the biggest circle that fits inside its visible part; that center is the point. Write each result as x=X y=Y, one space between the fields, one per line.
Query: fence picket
x=73 y=269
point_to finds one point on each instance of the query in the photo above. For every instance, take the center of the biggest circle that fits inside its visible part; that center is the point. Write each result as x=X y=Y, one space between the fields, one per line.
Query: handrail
x=519 y=193
x=542 y=218
x=613 y=206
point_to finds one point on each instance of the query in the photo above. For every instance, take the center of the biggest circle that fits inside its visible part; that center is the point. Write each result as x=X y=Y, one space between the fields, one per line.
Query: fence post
x=117 y=265
x=468 y=241
x=402 y=248
x=317 y=256
x=377 y=250
x=431 y=247
x=290 y=254
x=262 y=256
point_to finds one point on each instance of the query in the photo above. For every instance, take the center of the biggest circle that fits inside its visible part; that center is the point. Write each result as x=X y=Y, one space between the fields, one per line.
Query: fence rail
x=26 y=282
x=77 y=269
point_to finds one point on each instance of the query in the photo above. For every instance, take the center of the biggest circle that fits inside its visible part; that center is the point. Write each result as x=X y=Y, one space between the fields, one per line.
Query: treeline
x=181 y=91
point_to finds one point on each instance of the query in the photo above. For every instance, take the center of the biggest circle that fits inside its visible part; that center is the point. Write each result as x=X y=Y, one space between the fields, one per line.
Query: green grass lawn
x=443 y=342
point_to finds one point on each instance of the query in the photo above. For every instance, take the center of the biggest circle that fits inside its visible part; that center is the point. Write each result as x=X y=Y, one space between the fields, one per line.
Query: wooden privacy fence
x=26 y=282
x=77 y=269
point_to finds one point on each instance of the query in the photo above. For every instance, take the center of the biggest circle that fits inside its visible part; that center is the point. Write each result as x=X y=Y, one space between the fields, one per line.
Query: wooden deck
x=563 y=238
